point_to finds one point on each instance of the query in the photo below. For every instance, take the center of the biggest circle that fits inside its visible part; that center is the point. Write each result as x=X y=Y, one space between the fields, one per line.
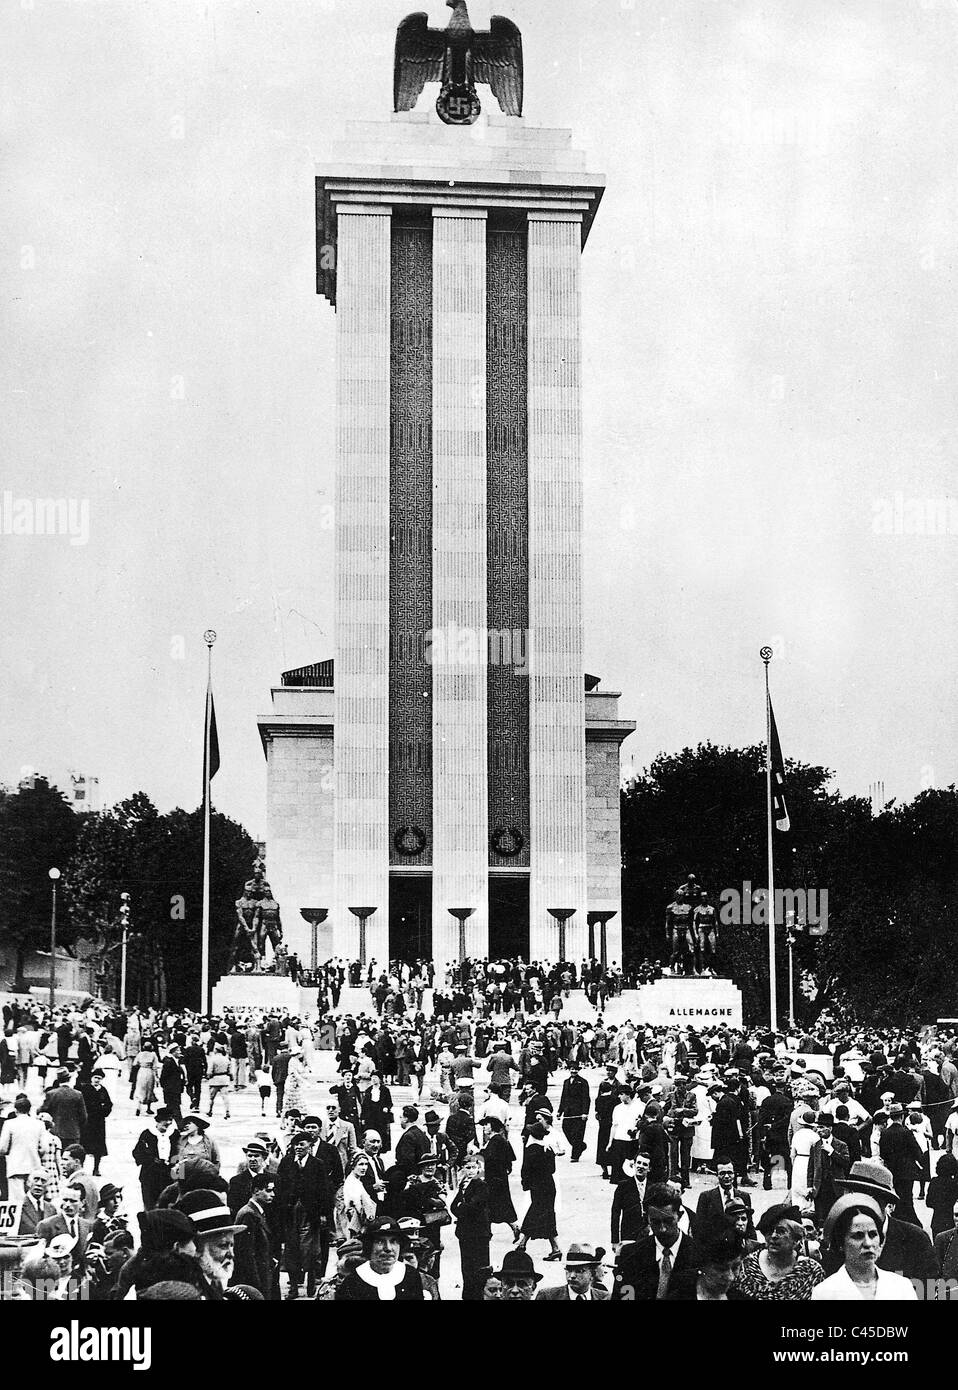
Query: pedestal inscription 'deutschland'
x=683 y=1001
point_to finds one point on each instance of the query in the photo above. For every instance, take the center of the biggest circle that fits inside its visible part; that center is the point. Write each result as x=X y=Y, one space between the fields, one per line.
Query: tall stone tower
x=451 y=782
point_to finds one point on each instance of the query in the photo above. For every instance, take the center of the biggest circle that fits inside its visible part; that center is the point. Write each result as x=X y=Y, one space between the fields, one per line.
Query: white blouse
x=841 y=1288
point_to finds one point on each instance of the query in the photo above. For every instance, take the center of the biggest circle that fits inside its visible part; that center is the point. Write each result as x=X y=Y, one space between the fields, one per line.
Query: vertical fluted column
x=361 y=855
x=557 y=694
x=459 y=639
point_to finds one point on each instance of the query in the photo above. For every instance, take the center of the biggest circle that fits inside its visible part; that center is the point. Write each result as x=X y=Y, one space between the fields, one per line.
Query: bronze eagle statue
x=458 y=57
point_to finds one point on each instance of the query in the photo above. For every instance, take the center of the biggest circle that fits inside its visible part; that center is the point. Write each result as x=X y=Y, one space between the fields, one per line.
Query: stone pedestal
x=687 y=1002
x=255 y=992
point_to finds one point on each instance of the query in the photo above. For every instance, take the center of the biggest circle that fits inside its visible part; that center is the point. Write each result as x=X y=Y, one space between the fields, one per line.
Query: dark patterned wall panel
x=410 y=548
x=508 y=533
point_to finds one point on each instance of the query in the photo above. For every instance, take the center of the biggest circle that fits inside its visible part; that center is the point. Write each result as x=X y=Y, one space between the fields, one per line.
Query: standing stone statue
x=257 y=921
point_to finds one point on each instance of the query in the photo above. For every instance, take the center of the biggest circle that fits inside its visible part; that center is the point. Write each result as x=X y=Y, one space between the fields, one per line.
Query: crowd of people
x=430 y=1131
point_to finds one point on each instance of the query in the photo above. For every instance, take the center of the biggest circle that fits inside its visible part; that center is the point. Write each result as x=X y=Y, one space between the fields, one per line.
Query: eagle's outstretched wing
x=497 y=59
x=419 y=59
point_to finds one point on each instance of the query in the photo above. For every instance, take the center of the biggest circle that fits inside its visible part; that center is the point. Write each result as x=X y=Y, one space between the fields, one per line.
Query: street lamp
x=125 y=923
x=54 y=875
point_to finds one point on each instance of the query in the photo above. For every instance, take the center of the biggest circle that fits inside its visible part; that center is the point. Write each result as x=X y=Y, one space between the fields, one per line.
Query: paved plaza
x=583 y=1206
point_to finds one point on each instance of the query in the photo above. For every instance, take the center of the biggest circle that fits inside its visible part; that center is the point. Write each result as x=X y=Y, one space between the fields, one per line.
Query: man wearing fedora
x=216 y=1232
x=154 y=1154
x=907 y=1249
x=306 y=1206
x=574 y=1105
x=900 y=1152
x=581 y=1270
x=518 y=1277
x=241 y=1185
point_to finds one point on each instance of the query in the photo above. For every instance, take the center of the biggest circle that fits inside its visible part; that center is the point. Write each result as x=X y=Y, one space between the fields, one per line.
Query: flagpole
x=766 y=655
x=209 y=638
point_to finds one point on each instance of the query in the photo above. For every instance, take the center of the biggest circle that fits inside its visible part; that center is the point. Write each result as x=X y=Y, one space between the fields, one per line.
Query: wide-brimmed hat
x=771 y=1216
x=163 y=1227
x=516 y=1264
x=850 y=1199
x=868 y=1177
x=383 y=1226
x=200 y=1121
x=584 y=1255
x=208 y=1212
x=61 y=1245
x=108 y=1191
x=256 y=1146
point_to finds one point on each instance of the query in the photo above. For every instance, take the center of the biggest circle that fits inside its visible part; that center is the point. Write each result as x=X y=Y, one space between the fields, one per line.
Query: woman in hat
x=98 y=1104
x=855 y=1232
x=780 y=1273
x=498 y=1157
x=538 y=1179
x=296 y=1078
x=195 y=1142
x=358 y=1206
x=377 y=1110
x=383 y=1276
x=717 y=1267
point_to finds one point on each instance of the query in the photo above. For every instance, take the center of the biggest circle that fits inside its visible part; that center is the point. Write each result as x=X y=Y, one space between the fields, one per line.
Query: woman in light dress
x=296 y=1079
x=702 y=1138
x=803 y=1141
x=144 y=1090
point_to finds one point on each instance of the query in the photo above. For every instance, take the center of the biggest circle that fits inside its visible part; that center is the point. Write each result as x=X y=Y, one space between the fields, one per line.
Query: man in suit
x=154 y=1155
x=36 y=1205
x=907 y=1249
x=65 y=1105
x=900 y=1152
x=946 y=1255
x=413 y=1143
x=628 y=1204
x=655 y=1265
x=372 y=1148
x=305 y=1198
x=607 y=1098
x=71 y=1165
x=710 y=1209
x=574 y=1105
x=240 y=1189
x=581 y=1271
x=830 y=1159
x=70 y=1223
x=254 y=1263
x=23 y=1143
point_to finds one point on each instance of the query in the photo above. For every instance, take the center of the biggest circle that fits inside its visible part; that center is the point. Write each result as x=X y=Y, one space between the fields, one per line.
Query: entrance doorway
x=508 y=916
x=410 y=918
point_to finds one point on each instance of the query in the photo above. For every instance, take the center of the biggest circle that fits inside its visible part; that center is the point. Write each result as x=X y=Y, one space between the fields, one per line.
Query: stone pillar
x=362 y=579
x=459 y=647
x=557 y=693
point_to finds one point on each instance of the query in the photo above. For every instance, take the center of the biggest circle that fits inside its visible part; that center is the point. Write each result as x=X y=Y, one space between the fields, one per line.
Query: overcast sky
x=770 y=320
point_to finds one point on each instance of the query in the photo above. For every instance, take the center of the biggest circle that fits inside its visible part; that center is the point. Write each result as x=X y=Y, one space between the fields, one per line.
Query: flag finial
x=765 y=654
x=209 y=637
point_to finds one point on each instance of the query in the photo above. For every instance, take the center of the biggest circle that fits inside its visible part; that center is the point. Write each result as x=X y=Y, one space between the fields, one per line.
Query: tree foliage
x=37 y=833
x=158 y=860
x=892 y=880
